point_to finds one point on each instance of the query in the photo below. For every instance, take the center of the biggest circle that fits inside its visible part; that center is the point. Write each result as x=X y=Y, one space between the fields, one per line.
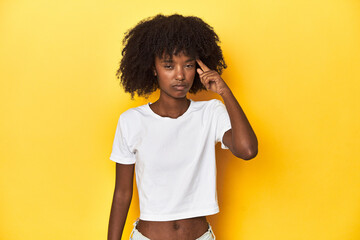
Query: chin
x=175 y=94
x=180 y=97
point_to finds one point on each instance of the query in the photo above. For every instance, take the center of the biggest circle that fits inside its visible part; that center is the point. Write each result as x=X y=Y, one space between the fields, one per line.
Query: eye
x=167 y=66
x=190 y=65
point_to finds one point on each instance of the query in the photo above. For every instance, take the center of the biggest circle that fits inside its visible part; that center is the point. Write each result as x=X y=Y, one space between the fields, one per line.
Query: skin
x=173 y=71
x=172 y=103
x=240 y=139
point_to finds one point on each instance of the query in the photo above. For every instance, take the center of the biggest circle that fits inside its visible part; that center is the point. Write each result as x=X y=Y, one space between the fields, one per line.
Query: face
x=175 y=75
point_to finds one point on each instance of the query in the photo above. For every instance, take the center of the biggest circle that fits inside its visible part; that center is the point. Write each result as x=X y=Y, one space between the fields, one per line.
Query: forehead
x=181 y=56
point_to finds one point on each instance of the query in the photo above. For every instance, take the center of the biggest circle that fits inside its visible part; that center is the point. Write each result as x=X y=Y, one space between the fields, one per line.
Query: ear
x=154 y=70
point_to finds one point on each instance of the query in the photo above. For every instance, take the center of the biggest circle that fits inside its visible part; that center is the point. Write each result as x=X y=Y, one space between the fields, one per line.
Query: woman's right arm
x=121 y=200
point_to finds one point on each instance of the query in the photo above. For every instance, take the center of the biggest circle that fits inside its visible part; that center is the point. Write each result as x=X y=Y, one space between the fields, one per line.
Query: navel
x=176 y=225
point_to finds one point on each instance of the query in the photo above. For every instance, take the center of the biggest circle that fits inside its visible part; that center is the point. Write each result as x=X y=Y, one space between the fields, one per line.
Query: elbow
x=122 y=199
x=251 y=150
x=123 y=195
x=248 y=154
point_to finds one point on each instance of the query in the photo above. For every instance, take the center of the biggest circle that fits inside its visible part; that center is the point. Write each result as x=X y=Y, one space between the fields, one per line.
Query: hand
x=211 y=79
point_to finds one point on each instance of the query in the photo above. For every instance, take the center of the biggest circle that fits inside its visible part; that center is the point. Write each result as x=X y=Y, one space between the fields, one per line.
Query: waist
x=188 y=228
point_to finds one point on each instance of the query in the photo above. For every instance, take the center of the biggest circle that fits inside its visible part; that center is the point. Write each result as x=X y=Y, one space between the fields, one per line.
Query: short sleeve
x=121 y=152
x=222 y=122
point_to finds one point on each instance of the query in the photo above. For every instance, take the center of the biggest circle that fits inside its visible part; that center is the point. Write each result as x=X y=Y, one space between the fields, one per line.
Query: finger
x=208 y=75
x=202 y=80
x=202 y=65
x=199 y=71
x=207 y=83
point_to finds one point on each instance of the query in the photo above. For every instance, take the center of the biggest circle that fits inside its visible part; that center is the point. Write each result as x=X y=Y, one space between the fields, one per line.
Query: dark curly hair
x=169 y=35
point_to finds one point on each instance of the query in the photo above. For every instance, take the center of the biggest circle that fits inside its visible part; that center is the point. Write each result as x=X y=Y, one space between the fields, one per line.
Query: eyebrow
x=170 y=60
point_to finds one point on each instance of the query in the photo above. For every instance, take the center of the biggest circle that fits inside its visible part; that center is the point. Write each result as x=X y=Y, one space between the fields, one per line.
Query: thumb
x=199 y=71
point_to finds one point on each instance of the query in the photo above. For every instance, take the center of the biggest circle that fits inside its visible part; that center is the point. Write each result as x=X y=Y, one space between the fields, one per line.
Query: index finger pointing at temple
x=202 y=65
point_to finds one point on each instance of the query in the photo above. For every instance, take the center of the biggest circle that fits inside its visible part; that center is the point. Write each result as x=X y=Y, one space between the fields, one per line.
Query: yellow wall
x=294 y=67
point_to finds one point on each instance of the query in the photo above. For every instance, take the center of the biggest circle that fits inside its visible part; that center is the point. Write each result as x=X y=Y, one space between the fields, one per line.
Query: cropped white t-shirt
x=174 y=158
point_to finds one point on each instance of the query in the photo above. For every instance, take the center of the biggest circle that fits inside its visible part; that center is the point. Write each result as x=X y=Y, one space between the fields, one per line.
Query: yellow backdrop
x=294 y=67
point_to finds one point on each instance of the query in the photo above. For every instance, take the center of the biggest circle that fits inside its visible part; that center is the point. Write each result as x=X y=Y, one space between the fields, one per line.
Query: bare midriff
x=183 y=229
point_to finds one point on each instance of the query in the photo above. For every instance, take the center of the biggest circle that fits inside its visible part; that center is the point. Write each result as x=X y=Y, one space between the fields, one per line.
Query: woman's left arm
x=240 y=139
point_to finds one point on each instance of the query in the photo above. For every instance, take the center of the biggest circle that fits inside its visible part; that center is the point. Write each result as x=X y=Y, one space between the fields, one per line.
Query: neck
x=171 y=107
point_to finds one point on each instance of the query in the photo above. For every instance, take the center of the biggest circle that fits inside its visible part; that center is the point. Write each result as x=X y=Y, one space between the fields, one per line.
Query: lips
x=179 y=87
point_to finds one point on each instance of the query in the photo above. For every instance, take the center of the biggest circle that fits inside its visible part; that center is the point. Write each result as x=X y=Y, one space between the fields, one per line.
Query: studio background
x=294 y=67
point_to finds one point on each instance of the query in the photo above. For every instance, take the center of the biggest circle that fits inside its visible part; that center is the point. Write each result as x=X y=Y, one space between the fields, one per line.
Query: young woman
x=171 y=143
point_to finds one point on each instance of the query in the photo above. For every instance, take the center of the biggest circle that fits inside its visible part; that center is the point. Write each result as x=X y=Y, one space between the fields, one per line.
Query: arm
x=121 y=200
x=240 y=139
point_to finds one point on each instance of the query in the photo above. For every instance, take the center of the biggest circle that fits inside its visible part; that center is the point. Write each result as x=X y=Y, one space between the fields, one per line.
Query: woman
x=171 y=143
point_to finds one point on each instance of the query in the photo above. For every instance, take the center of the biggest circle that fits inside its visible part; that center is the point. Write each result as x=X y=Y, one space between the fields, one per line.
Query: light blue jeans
x=136 y=235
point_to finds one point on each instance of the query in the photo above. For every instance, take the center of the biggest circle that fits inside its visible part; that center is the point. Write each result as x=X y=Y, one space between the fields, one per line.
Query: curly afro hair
x=169 y=35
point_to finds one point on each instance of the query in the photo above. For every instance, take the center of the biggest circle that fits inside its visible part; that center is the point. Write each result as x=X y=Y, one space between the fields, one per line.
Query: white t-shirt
x=174 y=158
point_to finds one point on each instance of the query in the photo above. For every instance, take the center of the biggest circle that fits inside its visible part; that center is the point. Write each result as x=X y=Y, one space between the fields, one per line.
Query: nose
x=180 y=75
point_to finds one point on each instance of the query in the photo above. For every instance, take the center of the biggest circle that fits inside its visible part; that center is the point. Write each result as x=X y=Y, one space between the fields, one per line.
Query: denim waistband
x=138 y=219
